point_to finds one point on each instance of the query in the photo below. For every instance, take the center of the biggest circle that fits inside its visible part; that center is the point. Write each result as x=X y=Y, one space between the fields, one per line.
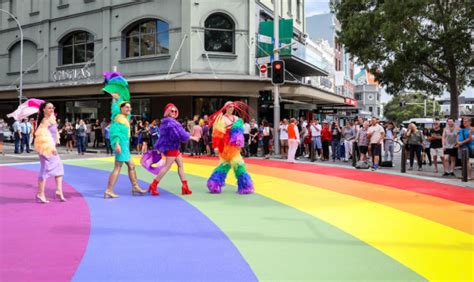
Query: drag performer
x=46 y=138
x=172 y=134
x=117 y=86
x=228 y=139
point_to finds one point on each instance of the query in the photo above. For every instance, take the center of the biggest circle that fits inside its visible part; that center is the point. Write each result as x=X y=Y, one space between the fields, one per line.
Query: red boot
x=185 y=189
x=153 y=188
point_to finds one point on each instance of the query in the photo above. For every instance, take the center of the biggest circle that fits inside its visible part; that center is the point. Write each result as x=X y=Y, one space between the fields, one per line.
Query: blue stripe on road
x=150 y=238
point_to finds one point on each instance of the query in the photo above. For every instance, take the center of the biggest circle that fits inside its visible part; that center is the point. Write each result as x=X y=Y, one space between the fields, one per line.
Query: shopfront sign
x=71 y=74
x=350 y=102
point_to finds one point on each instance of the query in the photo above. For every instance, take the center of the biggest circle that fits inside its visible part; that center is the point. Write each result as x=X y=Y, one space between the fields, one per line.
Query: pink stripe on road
x=39 y=242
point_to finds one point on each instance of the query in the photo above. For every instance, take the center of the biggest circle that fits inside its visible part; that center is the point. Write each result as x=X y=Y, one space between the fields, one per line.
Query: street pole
x=425 y=110
x=276 y=91
x=434 y=107
x=20 y=97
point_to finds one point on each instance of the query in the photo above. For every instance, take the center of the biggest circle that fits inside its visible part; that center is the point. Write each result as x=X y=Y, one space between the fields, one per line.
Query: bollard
x=354 y=154
x=403 y=165
x=464 y=160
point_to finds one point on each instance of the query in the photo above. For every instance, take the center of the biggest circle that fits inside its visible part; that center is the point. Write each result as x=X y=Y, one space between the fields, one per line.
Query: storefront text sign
x=71 y=74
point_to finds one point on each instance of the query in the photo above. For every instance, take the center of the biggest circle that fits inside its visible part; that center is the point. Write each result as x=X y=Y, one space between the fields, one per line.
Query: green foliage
x=394 y=112
x=411 y=44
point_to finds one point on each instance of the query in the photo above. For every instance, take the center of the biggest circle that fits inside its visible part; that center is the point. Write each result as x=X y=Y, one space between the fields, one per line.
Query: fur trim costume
x=46 y=138
x=228 y=138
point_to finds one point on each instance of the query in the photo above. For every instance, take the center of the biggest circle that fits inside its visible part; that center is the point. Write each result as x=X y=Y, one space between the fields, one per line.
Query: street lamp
x=21 y=53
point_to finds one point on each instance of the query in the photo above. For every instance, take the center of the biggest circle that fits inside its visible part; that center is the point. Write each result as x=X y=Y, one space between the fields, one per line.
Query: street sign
x=263 y=71
x=265 y=60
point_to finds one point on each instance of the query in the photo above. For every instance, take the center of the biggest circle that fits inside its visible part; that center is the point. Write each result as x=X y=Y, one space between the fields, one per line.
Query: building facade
x=325 y=26
x=368 y=94
x=196 y=54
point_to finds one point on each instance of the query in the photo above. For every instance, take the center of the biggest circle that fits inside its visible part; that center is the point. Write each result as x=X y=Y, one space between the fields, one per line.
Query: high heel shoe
x=153 y=189
x=41 y=200
x=60 y=196
x=110 y=194
x=185 y=189
x=138 y=190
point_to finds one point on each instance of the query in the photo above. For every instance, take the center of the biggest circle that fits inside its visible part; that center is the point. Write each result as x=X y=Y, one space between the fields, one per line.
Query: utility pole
x=425 y=112
x=276 y=90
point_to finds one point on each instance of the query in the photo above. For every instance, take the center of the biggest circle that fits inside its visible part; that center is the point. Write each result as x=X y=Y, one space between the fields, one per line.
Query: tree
x=411 y=44
x=393 y=110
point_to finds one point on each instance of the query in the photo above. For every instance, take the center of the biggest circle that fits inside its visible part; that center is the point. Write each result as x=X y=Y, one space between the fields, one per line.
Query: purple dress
x=51 y=166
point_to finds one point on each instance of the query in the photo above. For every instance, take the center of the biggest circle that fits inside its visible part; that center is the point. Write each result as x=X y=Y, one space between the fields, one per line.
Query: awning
x=301 y=67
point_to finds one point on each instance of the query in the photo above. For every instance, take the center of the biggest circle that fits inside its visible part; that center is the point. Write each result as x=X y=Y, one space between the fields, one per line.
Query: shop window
x=146 y=38
x=219 y=33
x=77 y=48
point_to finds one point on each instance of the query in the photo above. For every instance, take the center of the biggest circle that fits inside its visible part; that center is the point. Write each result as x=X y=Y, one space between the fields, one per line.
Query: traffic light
x=266 y=96
x=278 y=72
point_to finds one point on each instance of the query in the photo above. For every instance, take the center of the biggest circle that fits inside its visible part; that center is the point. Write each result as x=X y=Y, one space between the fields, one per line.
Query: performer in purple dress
x=46 y=138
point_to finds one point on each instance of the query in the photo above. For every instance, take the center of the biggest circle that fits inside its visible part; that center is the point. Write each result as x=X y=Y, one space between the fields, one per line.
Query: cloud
x=315 y=7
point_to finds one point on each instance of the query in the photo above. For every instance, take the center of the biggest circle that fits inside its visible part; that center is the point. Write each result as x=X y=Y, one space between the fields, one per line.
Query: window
x=371 y=109
x=290 y=8
x=30 y=56
x=77 y=48
x=219 y=33
x=12 y=7
x=146 y=38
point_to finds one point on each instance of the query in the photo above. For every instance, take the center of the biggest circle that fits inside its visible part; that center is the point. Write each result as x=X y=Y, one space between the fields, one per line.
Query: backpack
x=362 y=165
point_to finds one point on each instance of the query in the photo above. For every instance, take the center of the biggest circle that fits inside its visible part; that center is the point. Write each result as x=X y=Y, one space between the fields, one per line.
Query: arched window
x=76 y=48
x=30 y=55
x=148 y=37
x=219 y=33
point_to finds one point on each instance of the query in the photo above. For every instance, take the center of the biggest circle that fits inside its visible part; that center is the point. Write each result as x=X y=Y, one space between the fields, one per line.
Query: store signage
x=71 y=74
x=325 y=82
x=350 y=102
x=326 y=111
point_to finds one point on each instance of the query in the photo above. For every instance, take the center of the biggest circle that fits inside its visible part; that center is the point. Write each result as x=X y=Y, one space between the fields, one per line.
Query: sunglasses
x=174 y=111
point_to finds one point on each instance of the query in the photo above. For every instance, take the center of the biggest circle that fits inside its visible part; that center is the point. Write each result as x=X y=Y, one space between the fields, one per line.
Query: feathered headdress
x=240 y=109
x=114 y=82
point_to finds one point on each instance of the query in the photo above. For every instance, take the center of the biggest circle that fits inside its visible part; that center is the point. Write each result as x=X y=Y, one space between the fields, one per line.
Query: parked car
x=7 y=135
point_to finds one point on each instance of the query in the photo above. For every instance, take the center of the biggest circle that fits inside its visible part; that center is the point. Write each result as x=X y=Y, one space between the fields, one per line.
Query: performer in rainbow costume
x=228 y=139
x=117 y=86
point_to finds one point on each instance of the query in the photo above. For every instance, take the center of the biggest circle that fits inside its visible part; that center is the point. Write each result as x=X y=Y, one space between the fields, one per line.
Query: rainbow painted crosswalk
x=304 y=222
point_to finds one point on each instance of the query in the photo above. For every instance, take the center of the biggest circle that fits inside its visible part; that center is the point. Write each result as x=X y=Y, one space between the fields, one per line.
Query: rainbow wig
x=229 y=140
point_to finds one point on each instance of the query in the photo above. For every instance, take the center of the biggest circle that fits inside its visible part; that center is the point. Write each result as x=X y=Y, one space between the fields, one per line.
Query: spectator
x=97 y=134
x=436 y=145
x=348 y=134
x=267 y=136
x=69 y=132
x=253 y=138
x=107 y=139
x=326 y=137
x=305 y=140
x=426 y=147
x=138 y=136
x=154 y=132
x=103 y=125
x=466 y=142
x=25 y=128
x=145 y=134
x=362 y=140
x=388 y=141
x=196 y=133
x=315 y=129
x=375 y=134
x=3 y=126
x=88 y=132
x=293 y=139
x=284 y=138
x=81 y=134
x=415 y=140
x=246 y=137
x=449 y=142
x=336 y=140
x=206 y=137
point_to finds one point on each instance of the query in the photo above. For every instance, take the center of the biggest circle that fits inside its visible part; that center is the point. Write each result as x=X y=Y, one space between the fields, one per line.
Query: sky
x=314 y=7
